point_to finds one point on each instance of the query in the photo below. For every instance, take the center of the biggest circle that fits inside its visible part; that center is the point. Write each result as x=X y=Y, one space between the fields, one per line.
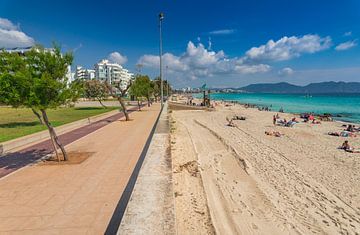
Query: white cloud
x=12 y=36
x=286 y=71
x=201 y=62
x=7 y=24
x=117 y=58
x=346 y=45
x=222 y=32
x=198 y=61
x=251 y=69
x=347 y=34
x=288 y=47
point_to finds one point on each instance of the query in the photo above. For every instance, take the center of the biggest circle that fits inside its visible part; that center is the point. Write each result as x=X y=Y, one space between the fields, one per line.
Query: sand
x=237 y=180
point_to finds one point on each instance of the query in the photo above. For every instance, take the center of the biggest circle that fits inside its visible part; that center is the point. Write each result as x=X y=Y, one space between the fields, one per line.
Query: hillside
x=313 y=88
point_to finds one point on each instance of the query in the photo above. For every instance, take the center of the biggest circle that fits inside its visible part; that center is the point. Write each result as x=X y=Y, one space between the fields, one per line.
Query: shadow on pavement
x=13 y=161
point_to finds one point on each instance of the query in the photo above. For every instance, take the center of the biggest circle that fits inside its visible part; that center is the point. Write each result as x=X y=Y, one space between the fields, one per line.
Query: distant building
x=112 y=73
x=69 y=75
x=84 y=74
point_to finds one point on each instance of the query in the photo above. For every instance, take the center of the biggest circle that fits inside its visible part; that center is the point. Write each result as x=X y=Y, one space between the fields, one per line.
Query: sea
x=343 y=107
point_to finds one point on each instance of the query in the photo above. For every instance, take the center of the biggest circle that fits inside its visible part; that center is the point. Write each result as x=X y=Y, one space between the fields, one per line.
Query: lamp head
x=161 y=16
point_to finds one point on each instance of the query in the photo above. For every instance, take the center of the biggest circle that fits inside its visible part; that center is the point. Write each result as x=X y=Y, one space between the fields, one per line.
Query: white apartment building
x=112 y=72
x=84 y=74
x=69 y=75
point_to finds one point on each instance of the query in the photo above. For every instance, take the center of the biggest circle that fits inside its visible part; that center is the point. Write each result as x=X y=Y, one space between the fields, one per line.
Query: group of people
x=352 y=128
x=264 y=108
x=350 y=131
x=284 y=122
x=342 y=134
x=308 y=117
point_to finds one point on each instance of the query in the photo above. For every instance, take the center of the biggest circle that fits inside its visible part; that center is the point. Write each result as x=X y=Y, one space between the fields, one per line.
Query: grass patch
x=19 y=122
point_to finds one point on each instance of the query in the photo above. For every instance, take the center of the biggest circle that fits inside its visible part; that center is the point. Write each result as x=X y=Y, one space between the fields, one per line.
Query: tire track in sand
x=236 y=204
x=305 y=203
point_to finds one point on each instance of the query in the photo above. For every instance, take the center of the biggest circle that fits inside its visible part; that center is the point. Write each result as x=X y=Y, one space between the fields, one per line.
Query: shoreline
x=256 y=106
x=335 y=115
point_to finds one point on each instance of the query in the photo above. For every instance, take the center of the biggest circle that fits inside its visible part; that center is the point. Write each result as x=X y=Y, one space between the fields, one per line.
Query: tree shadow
x=17 y=160
x=18 y=124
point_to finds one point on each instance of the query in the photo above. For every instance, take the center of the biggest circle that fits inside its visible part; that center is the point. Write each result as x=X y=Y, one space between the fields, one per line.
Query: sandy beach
x=237 y=180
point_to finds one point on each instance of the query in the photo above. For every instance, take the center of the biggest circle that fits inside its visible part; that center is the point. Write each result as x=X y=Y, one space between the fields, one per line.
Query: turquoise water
x=345 y=105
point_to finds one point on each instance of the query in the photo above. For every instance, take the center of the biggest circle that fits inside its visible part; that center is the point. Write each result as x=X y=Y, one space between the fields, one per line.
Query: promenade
x=30 y=154
x=80 y=198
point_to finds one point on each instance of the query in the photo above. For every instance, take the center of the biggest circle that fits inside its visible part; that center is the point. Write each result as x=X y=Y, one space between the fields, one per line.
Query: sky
x=228 y=43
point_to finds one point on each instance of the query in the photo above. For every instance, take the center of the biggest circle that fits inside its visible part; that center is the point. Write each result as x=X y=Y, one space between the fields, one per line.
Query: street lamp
x=167 y=82
x=161 y=17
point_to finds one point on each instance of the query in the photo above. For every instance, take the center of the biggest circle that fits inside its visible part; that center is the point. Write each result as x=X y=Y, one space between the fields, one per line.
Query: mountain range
x=312 y=88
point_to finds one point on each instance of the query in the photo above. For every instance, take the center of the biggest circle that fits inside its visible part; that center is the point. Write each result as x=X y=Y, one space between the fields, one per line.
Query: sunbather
x=342 y=134
x=236 y=117
x=273 y=133
x=315 y=121
x=230 y=122
x=346 y=146
x=286 y=123
x=290 y=123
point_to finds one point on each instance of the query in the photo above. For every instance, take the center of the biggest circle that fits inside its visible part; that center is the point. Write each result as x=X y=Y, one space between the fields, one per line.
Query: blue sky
x=312 y=41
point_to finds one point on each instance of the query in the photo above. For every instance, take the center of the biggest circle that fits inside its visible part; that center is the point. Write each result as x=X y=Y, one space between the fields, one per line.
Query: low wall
x=151 y=206
x=179 y=106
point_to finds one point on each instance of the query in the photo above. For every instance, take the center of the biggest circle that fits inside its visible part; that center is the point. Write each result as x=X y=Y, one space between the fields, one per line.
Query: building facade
x=84 y=74
x=112 y=73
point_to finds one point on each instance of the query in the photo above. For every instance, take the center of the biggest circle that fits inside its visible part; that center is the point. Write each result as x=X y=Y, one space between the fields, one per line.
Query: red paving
x=14 y=161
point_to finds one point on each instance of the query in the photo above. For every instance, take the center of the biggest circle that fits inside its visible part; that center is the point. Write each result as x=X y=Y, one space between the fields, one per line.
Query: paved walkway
x=76 y=199
x=13 y=161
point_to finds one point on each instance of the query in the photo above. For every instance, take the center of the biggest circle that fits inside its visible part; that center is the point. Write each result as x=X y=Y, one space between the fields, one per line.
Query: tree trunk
x=139 y=105
x=124 y=110
x=101 y=103
x=53 y=136
x=148 y=100
x=38 y=116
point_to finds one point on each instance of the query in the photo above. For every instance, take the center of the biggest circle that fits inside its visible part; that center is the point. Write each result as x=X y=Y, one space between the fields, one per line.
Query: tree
x=95 y=89
x=36 y=80
x=157 y=87
x=117 y=90
x=141 y=88
x=156 y=84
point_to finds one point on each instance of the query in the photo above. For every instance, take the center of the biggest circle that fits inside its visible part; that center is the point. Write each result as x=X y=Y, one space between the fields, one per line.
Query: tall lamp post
x=167 y=82
x=161 y=17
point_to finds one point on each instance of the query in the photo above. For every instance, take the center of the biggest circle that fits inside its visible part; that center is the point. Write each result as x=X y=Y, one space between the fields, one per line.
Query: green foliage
x=94 y=89
x=14 y=85
x=36 y=79
x=141 y=87
x=156 y=83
